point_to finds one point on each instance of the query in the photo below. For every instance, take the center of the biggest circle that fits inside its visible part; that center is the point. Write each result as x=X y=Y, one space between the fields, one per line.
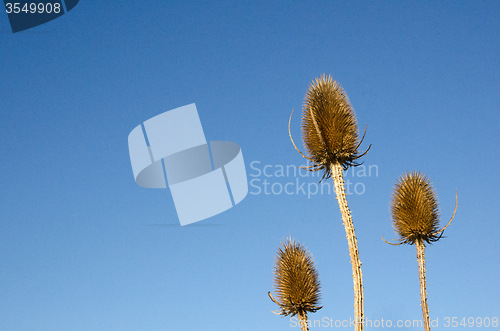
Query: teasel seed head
x=296 y=280
x=329 y=127
x=415 y=210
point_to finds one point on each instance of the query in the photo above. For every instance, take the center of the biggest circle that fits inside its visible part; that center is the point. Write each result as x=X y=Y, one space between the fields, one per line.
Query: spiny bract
x=414 y=209
x=296 y=280
x=329 y=126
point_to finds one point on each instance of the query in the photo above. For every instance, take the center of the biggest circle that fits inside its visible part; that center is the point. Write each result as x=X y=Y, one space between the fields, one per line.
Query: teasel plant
x=331 y=138
x=296 y=282
x=415 y=218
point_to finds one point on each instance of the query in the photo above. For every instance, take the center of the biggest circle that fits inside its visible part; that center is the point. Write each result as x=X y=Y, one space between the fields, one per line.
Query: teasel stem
x=419 y=244
x=303 y=321
x=357 y=277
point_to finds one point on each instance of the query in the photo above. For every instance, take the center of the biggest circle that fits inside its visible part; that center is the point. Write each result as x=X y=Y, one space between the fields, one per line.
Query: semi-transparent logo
x=205 y=179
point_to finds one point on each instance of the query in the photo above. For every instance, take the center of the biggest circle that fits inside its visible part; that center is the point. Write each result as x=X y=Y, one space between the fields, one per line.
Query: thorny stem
x=303 y=321
x=423 y=291
x=336 y=170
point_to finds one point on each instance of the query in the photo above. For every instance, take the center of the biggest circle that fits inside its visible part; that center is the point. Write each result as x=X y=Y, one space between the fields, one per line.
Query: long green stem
x=423 y=291
x=338 y=180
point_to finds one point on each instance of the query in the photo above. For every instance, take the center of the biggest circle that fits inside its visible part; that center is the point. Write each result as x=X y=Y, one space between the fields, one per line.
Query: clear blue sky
x=82 y=247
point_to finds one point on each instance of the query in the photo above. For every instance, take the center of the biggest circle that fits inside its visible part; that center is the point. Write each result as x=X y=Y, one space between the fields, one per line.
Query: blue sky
x=82 y=247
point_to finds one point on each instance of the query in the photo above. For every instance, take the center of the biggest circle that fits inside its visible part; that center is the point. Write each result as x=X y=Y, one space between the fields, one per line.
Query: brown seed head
x=414 y=209
x=296 y=280
x=329 y=126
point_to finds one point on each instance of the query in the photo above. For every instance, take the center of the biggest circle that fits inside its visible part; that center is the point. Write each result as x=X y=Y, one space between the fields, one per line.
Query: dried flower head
x=329 y=127
x=415 y=210
x=296 y=280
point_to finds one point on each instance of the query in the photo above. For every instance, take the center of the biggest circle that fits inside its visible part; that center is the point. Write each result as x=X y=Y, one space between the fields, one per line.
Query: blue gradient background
x=82 y=247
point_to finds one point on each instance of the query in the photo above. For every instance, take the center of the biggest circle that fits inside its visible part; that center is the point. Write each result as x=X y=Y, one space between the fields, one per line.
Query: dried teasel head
x=296 y=280
x=415 y=211
x=329 y=127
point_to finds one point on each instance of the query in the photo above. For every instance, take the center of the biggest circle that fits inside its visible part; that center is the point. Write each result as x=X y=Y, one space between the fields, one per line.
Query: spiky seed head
x=329 y=126
x=296 y=280
x=414 y=209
